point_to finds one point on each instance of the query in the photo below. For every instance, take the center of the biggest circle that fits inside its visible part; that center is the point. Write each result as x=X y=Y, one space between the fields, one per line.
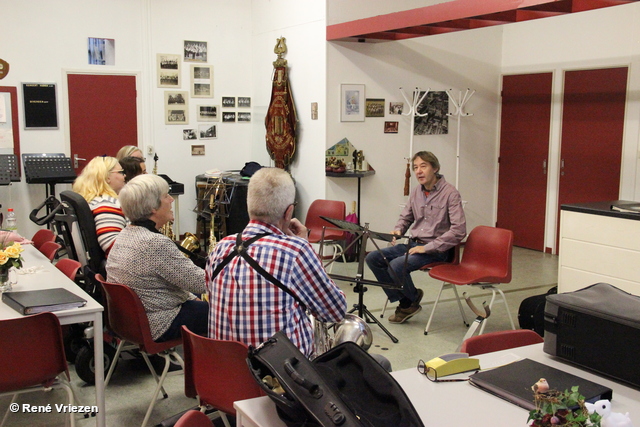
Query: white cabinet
x=598 y=245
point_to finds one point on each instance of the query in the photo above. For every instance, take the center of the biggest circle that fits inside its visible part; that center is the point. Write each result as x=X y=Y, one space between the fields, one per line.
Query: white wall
x=455 y=61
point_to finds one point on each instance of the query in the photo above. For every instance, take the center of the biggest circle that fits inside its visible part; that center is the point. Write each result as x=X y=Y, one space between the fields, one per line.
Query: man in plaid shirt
x=244 y=305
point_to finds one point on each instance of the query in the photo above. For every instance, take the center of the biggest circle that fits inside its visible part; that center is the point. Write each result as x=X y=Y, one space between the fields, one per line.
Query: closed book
x=513 y=382
x=626 y=207
x=33 y=302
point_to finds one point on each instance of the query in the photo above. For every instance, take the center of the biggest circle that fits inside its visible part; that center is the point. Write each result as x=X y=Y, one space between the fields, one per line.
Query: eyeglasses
x=432 y=374
x=121 y=172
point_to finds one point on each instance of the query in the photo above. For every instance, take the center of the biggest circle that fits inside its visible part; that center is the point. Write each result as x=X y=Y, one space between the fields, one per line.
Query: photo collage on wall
x=208 y=112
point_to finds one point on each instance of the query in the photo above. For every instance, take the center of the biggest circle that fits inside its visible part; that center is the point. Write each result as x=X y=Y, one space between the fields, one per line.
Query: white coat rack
x=413 y=112
x=459 y=113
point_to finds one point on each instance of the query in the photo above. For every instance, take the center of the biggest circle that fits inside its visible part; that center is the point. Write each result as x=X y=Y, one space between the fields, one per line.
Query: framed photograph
x=202 y=81
x=197 y=150
x=244 y=102
x=228 y=116
x=390 y=127
x=176 y=108
x=102 y=51
x=207 y=131
x=188 y=134
x=168 y=70
x=436 y=107
x=195 y=51
x=244 y=117
x=228 y=102
x=375 y=107
x=40 y=106
x=396 y=107
x=208 y=113
x=352 y=103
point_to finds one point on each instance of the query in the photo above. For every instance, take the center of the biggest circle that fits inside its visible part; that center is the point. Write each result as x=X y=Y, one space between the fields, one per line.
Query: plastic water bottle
x=11 y=221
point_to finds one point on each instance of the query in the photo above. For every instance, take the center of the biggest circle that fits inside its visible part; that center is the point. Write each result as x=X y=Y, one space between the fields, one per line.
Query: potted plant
x=561 y=409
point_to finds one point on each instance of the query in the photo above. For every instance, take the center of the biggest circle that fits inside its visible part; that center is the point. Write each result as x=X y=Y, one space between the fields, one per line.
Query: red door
x=524 y=150
x=592 y=130
x=102 y=114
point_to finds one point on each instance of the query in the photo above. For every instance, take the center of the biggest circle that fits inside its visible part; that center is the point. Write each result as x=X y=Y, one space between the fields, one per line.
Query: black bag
x=343 y=387
x=531 y=311
x=250 y=168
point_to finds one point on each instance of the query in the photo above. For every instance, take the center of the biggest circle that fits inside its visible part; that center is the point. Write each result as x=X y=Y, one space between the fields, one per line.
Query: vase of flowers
x=561 y=409
x=9 y=258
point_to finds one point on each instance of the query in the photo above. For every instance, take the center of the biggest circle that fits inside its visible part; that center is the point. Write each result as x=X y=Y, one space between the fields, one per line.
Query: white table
x=50 y=277
x=460 y=403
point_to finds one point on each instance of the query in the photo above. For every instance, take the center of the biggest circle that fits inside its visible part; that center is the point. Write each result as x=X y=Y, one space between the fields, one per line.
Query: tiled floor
x=128 y=394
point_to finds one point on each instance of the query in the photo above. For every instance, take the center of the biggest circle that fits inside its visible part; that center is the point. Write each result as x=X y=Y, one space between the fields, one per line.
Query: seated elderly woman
x=129 y=151
x=99 y=184
x=133 y=166
x=152 y=265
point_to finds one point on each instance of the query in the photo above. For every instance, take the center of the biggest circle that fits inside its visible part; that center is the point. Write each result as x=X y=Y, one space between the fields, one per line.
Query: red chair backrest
x=501 y=340
x=32 y=351
x=330 y=209
x=42 y=236
x=49 y=249
x=217 y=371
x=489 y=251
x=69 y=267
x=193 y=418
x=127 y=317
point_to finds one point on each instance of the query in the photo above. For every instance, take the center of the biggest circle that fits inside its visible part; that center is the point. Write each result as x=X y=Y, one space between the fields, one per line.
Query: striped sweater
x=109 y=220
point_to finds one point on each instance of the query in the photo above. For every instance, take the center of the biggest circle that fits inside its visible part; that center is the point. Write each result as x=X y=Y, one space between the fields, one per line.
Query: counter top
x=601 y=208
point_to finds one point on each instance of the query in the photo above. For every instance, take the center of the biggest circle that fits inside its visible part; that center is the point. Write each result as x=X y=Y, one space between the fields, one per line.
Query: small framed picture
x=102 y=51
x=176 y=108
x=228 y=102
x=188 y=134
x=207 y=131
x=244 y=117
x=351 y=103
x=244 y=102
x=375 y=107
x=390 y=127
x=197 y=150
x=208 y=113
x=202 y=81
x=228 y=116
x=396 y=107
x=195 y=51
x=168 y=70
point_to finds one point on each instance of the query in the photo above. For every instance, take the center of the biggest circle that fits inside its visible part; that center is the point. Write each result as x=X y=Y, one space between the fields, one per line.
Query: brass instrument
x=190 y=243
x=166 y=229
x=351 y=328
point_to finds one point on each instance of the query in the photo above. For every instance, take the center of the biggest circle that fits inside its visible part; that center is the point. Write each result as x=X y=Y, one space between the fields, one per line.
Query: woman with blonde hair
x=129 y=151
x=99 y=184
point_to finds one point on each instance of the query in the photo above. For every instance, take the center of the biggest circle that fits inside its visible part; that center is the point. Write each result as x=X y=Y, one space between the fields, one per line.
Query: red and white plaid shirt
x=246 y=307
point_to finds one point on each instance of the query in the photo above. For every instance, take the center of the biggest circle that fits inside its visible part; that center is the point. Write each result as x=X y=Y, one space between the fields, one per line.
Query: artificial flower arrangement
x=10 y=256
x=560 y=409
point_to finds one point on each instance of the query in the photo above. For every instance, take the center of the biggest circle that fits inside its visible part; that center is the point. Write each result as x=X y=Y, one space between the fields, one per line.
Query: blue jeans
x=396 y=256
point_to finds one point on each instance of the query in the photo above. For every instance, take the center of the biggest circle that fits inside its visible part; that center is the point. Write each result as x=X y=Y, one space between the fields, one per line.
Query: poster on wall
x=436 y=121
x=40 y=107
x=168 y=70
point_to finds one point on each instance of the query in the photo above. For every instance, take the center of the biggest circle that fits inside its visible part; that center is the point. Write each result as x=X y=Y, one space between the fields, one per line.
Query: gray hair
x=143 y=194
x=271 y=191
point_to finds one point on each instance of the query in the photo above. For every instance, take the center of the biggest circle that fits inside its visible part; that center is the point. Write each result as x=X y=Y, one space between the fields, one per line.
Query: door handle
x=562 y=167
x=544 y=167
x=75 y=160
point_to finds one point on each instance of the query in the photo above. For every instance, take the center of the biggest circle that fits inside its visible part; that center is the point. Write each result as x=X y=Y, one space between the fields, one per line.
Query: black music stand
x=48 y=168
x=363 y=235
x=9 y=171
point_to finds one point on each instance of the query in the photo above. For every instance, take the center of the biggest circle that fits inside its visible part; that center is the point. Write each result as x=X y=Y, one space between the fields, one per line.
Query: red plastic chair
x=486 y=262
x=42 y=236
x=217 y=372
x=128 y=320
x=32 y=357
x=500 y=340
x=193 y=418
x=69 y=267
x=316 y=225
x=50 y=249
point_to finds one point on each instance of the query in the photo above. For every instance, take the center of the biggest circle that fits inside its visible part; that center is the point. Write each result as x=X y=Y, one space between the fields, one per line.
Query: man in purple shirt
x=435 y=210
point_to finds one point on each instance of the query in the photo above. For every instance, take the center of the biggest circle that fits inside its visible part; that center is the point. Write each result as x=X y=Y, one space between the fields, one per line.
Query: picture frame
x=396 y=107
x=195 y=51
x=352 y=106
x=244 y=117
x=176 y=107
x=197 y=150
x=208 y=113
x=189 y=134
x=202 y=81
x=228 y=116
x=390 y=127
x=40 y=106
x=244 y=102
x=101 y=51
x=228 y=102
x=207 y=131
x=374 y=107
x=168 y=70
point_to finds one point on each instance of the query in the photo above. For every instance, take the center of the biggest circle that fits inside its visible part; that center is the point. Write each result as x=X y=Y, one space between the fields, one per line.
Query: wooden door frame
x=65 y=100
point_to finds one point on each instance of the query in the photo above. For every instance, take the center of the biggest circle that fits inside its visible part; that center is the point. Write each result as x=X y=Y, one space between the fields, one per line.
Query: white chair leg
x=167 y=362
x=6 y=414
x=506 y=306
x=433 y=310
x=114 y=362
x=464 y=316
x=153 y=373
x=384 y=308
x=493 y=297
